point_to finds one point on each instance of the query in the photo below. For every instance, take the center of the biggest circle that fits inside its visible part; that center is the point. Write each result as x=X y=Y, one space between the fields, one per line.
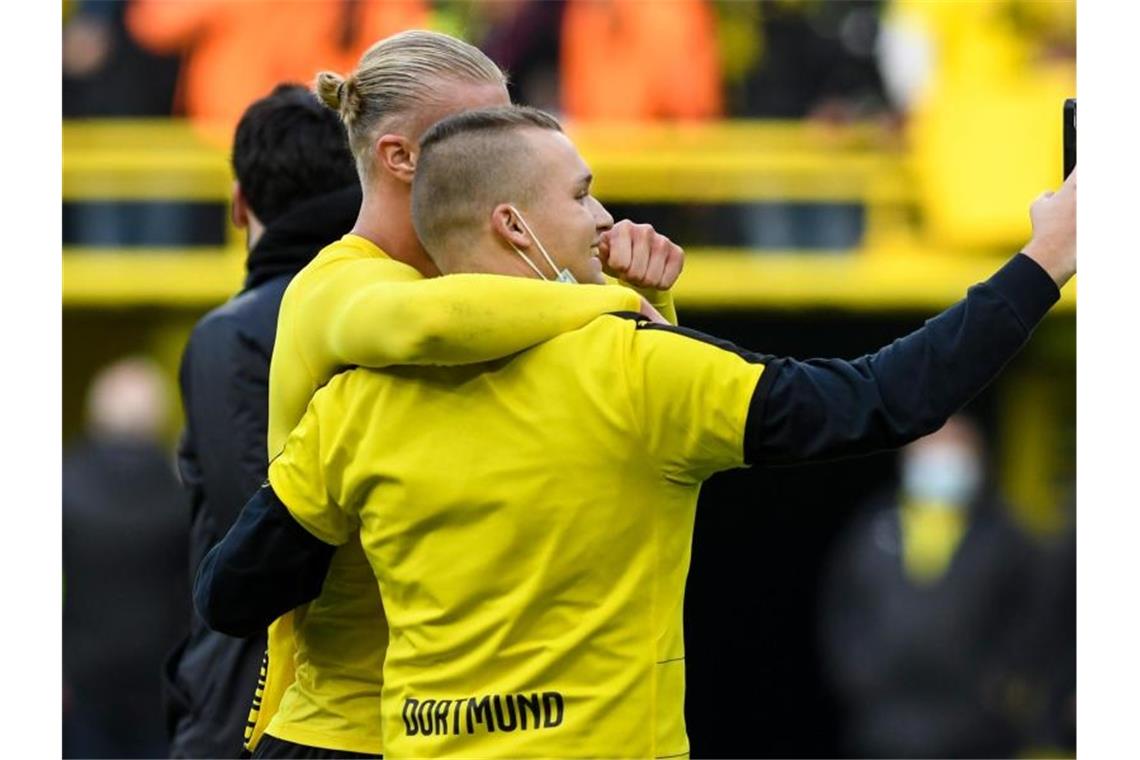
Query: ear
x=505 y=223
x=398 y=156
x=239 y=208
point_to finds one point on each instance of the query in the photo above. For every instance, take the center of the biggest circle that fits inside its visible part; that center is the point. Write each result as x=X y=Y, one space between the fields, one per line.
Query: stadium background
x=837 y=172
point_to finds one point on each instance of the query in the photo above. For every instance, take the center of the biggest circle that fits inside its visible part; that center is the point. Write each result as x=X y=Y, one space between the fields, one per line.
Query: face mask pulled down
x=948 y=476
x=561 y=275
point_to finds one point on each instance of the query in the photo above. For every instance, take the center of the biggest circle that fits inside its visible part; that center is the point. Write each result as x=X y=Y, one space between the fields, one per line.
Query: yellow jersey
x=355 y=306
x=529 y=535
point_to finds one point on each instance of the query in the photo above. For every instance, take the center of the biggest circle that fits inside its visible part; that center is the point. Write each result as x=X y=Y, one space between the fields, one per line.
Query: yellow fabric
x=931 y=533
x=992 y=106
x=530 y=535
x=662 y=300
x=353 y=305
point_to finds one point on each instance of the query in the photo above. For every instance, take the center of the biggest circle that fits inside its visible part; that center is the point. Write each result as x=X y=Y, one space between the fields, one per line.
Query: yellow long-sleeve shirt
x=355 y=306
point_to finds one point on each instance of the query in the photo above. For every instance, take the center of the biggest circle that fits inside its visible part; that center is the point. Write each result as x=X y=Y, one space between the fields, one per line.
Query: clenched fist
x=637 y=254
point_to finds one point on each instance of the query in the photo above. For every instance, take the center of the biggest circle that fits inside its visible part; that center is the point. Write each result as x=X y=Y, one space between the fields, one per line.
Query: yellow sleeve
x=300 y=477
x=691 y=396
x=662 y=300
x=361 y=317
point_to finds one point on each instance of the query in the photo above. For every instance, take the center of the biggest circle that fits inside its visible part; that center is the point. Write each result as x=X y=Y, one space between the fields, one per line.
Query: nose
x=602 y=219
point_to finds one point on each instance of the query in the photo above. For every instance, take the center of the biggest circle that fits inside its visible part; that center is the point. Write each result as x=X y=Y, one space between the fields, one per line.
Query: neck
x=488 y=258
x=385 y=219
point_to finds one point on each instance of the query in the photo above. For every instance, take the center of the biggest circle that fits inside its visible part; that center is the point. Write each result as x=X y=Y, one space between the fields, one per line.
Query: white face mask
x=561 y=275
x=948 y=475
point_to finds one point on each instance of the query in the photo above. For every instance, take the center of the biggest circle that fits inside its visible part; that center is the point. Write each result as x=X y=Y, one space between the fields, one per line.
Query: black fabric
x=924 y=670
x=272 y=747
x=125 y=594
x=829 y=408
x=266 y=565
x=222 y=461
x=291 y=241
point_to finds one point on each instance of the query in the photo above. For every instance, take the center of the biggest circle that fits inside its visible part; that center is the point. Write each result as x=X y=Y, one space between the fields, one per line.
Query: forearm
x=829 y=408
x=461 y=319
x=266 y=565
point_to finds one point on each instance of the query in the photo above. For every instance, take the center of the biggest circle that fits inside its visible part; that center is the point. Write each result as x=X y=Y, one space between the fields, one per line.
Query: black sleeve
x=828 y=408
x=225 y=391
x=265 y=566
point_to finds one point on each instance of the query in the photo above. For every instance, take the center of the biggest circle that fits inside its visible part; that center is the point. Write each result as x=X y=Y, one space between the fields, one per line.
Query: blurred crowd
x=584 y=59
x=954 y=84
x=618 y=59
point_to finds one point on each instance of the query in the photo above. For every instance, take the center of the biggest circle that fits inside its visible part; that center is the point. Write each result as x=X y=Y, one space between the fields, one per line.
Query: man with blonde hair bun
x=364 y=301
x=531 y=535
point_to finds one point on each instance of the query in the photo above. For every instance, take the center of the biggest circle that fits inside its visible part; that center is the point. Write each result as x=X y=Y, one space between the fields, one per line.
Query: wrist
x=1050 y=261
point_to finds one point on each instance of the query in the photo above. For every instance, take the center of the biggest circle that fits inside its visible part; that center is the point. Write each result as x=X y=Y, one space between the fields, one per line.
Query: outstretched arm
x=708 y=405
x=826 y=408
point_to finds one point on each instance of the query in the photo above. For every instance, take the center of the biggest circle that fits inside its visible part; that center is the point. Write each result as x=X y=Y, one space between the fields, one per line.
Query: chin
x=594 y=269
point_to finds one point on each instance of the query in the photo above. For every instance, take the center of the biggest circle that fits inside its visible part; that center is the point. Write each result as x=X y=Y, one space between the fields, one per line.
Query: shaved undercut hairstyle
x=469 y=163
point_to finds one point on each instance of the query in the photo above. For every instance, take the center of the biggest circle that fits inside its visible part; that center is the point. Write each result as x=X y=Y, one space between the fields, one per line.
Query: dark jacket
x=222 y=460
x=926 y=670
x=125 y=599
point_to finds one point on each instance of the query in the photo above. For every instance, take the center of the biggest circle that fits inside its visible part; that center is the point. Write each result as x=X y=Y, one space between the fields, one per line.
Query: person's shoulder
x=608 y=334
x=351 y=259
x=250 y=315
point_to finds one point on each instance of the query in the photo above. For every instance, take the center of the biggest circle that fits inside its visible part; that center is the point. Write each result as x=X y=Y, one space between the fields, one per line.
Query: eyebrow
x=585 y=179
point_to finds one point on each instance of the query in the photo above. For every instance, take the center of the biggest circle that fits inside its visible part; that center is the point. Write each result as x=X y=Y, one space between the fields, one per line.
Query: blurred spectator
x=627 y=59
x=124 y=567
x=803 y=60
x=928 y=612
x=809 y=59
x=237 y=50
x=1054 y=654
x=524 y=37
x=297 y=191
x=105 y=73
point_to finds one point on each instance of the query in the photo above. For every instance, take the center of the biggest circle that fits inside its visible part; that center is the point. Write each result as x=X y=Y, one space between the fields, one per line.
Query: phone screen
x=1070 y=133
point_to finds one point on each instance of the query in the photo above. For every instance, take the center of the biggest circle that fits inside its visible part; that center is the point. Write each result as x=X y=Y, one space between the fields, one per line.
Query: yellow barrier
x=713 y=279
x=727 y=161
x=748 y=161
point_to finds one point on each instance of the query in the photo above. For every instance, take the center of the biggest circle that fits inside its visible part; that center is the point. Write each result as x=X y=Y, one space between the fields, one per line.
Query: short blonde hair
x=469 y=163
x=395 y=76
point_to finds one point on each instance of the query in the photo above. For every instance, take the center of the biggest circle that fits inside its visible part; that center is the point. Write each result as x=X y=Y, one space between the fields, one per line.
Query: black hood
x=294 y=238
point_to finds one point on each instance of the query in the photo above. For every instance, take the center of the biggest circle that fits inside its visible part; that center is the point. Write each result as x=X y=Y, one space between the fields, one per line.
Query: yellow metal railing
x=722 y=162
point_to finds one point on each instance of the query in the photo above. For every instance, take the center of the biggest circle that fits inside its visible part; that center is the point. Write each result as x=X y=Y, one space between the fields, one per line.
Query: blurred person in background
x=929 y=611
x=296 y=191
x=524 y=38
x=106 y=74
x=237 y=50
x=126 y=590
x=632 y=60
x=796 y=59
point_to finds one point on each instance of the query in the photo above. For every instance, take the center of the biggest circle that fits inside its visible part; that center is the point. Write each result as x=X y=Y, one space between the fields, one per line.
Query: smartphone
x=1070 y=132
